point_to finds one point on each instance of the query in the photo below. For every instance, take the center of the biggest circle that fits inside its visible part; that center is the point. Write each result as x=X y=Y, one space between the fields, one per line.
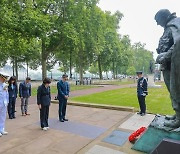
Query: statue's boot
x=172 y=123
x=168 y=117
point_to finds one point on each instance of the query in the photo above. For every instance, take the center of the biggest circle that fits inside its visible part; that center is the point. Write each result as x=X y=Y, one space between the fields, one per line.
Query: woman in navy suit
x=13 y=90
x=44 y=101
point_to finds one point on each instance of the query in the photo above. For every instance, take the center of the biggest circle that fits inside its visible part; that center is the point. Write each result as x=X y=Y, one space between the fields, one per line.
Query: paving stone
x=26 y=137
x=117 y=137
x=97 y=149
x=137 y=121
x=77 y=128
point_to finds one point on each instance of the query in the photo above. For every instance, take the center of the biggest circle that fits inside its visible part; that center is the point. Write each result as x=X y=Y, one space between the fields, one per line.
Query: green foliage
x=93 y=69
x=131 y=70
x=142 y=58
x=76 y=34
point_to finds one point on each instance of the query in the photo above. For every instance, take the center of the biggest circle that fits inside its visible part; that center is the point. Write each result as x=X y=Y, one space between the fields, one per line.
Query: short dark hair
x=139 y=72
x=28 y=78
x=64 y=76
x=47 y=81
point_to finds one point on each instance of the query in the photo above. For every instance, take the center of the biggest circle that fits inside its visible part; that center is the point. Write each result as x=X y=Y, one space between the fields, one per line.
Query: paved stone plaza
x=88 y=131
x=83 y=133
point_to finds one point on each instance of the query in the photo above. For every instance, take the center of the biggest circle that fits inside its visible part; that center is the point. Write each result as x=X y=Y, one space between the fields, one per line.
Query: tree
x=131 y=70
x=76 y=34
x=93 y=69
x=142 y=57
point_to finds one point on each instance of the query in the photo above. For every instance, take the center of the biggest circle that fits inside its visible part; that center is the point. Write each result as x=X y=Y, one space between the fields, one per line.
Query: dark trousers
x=142 y=104
x=62 y=108
x=44 y=115
x=11 y=107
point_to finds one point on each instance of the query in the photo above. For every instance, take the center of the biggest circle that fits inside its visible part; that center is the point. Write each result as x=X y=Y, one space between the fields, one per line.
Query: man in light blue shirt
x=4 y=100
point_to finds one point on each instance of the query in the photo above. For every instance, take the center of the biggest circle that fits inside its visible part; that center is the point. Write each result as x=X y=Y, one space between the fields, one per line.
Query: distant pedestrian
x=13 y=91
x=4 y=99
x=24 y=94
x=63 y=95
x=44 y=101
x=142 y=92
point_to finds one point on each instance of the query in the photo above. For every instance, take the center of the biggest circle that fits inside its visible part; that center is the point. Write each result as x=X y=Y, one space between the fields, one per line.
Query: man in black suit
x=63 y=95
x=44 y=101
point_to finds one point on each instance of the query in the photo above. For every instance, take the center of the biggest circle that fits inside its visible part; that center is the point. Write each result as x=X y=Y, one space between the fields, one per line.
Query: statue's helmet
x=162 y=16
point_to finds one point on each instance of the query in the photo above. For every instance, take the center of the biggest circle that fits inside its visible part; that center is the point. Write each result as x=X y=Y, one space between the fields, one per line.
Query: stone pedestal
x=151 y=82
x=155 y=134
x=167 y=146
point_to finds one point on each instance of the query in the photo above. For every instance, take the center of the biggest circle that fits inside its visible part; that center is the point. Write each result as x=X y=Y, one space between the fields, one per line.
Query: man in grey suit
x=24 y=94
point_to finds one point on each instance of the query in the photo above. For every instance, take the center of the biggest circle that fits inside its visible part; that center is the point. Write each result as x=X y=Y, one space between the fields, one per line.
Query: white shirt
x=4 y=96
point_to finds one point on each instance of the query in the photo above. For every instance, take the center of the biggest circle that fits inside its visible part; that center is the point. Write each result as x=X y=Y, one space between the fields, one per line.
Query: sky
x=138 y=21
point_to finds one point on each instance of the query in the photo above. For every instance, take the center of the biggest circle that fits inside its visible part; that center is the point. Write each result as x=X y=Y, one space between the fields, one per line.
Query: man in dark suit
x=24 y=94
x=44 y=101
x=63 y=95
x=141 y=92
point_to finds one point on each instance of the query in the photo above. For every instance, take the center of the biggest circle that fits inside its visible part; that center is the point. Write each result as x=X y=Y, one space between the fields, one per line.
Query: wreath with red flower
x=135 y=135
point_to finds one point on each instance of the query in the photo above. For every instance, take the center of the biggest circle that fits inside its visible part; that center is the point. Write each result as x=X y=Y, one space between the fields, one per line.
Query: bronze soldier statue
x=169 y=58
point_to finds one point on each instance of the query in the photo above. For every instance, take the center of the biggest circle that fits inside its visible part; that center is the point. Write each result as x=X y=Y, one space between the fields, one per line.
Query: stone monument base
x=155 y=134
x=151 y=82
x=167 y=146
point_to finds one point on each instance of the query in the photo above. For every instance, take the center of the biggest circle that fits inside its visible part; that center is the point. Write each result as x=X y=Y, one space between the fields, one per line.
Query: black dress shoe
x=10 y=117
x=139 y=112
x=143 y=114
x=65 y=119
x=14 y=117
x=61 y=120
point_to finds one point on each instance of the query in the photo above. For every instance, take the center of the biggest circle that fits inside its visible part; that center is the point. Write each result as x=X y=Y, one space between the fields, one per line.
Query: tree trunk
x=99 y=67
x=27 y=64
x=51 y=75
x=81 y=74
x=13 y=67
x=44 y=67
x=107 y=75
x=43 y=60
x=113 y=69
x=16 y=68
x=70 y=65
x=116 y=71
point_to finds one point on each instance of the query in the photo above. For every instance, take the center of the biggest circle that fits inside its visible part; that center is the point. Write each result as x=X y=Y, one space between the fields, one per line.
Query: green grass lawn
x=157 y=101
x=72 y=88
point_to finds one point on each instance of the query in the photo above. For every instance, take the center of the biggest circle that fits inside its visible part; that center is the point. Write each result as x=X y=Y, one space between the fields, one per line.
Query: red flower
x=133 y=137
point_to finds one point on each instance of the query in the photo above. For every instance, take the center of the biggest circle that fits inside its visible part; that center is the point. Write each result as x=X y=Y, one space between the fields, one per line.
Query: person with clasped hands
x=63 y=95
x=44 y=101
x=13 y=91
x=4 y=100
x=142 y=92
x=24 y=94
